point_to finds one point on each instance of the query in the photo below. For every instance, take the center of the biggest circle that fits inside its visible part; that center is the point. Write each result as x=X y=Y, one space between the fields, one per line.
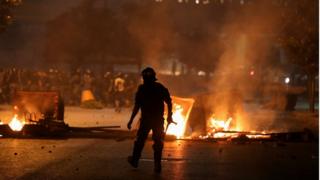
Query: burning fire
x=217 y=124
x=15 y=124
x=228 y=128
x=221 y=129
x=179 y=128
x=181 y=110
x=217 y=127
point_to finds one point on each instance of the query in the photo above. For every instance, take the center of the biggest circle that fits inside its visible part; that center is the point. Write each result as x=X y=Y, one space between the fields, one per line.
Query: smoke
x=22 y=44
x=151 y=27
x=249 y=35
x=235 y=42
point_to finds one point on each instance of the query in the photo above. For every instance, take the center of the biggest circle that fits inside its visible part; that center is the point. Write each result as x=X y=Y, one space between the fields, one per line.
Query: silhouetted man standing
x=150 y=98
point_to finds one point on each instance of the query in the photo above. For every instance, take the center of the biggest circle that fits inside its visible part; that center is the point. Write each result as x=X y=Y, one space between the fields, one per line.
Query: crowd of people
x=112 y=89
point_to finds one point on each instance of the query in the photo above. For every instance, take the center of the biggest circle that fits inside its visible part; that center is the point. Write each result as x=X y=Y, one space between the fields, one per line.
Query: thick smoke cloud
x=231 y=42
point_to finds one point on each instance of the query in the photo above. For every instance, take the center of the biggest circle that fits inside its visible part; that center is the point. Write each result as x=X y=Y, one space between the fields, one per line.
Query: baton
x=169 y=125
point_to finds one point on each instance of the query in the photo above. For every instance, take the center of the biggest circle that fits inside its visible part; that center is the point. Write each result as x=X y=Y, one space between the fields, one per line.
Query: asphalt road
x=106 y=159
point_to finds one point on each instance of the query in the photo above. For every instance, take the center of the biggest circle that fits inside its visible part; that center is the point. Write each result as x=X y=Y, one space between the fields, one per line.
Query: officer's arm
x=168 y=101
x=134 y=112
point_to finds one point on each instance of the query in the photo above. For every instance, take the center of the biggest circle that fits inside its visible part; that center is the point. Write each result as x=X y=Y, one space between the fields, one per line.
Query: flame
x=217 y=124
x=179 y=128
x=258 y=136
x=180 y=114
x=221 y=129
x=225 y=135
x=15 y=124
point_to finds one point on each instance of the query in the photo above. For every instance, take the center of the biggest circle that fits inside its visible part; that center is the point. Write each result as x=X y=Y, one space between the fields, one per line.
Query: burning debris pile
x=217 y=128
x=219 y=125
x=230 y=128
x=40 y=113
x=36 y=113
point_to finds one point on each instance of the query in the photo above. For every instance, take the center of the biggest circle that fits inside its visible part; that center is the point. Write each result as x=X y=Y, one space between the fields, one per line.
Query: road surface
x=106 y=159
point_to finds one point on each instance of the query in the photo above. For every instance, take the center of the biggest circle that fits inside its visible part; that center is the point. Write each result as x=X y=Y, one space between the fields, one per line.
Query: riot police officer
x=150 y=98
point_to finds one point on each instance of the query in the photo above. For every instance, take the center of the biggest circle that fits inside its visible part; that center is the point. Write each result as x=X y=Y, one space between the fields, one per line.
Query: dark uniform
x=150 y=98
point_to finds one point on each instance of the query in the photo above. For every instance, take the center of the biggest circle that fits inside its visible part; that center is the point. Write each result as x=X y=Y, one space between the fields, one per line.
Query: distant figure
x=150 y=98
x=107 y=88
x=119 y=92
x=87 y=80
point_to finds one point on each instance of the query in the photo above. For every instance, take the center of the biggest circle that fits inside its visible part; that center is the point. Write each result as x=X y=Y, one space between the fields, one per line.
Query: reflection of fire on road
x=15 y=124
x=181 y=110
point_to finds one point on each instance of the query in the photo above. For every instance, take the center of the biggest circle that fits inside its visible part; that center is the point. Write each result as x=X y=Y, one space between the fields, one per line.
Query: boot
x=136 y=154
x=157 y=166
x=157 y=161
x=132 y=162
x=157 y=155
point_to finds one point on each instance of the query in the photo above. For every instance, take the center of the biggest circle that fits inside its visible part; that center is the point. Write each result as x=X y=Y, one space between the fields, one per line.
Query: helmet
x=148 y=74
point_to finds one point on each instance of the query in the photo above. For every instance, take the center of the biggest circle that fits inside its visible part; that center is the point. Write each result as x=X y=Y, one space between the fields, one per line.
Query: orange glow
x=181 y=110
x=15 y=124
x=225 y=135
x=216 y=124
x=218 y=128
x=179 y=128
x=260 y=136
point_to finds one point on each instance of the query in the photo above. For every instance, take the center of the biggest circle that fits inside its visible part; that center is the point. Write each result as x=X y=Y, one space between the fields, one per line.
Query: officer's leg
x=157 y=136
x=142 y=135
